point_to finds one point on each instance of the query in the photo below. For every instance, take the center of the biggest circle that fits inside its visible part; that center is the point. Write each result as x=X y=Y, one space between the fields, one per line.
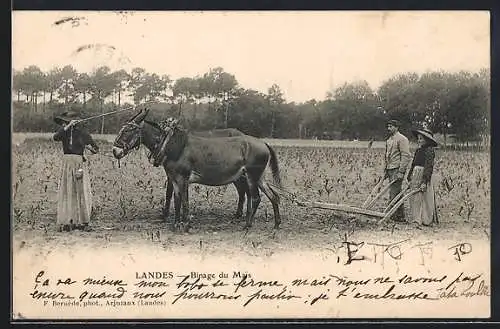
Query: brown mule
x=204 y=160
x=240 y=184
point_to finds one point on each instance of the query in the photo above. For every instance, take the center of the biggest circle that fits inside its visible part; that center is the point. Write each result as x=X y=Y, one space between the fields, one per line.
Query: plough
x=367 y=207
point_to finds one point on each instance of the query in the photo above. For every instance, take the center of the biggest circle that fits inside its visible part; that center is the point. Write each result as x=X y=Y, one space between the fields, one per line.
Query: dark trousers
x=394 y=190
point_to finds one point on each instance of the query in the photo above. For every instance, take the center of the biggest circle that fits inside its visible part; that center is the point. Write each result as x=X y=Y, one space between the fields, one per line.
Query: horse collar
x=159 y=153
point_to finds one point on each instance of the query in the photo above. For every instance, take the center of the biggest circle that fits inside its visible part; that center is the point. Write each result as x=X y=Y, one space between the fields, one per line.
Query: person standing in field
x=423 y=204
x=74 y=202
x=397 y=158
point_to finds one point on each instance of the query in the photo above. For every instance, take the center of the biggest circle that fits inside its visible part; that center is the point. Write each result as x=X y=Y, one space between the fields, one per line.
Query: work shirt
x=74 y=140
x=397 y=152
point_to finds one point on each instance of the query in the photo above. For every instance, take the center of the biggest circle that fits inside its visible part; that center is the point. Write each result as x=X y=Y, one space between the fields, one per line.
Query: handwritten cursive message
x=242 y=288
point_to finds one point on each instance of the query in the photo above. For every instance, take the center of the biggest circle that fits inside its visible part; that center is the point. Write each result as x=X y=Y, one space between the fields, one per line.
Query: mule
x=240 y=184
x=205 y=160
x=152 y=140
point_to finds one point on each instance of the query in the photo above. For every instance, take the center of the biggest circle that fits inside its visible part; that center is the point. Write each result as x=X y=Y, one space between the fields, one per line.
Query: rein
x=112 y=112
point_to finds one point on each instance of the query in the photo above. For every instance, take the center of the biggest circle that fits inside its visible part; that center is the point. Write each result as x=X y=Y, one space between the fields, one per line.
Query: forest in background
x=453 y=104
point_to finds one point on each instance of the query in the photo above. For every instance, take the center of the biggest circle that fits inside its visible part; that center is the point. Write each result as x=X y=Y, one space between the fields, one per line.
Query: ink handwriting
x=461 y=250
x=248 y=290
x=356 y=251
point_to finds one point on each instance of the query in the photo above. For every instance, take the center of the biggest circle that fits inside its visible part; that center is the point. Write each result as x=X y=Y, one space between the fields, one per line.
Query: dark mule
x=152 y=140
x=209 y=161
x=240 y=184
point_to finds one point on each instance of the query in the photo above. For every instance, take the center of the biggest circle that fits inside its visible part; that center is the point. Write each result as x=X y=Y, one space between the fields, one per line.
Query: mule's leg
x=184 y=192
x=168 y=198
x=253 y=201
x=249 y=207
x=242 y=188
x=255 y=195
x=274 y=201
x=177 y=204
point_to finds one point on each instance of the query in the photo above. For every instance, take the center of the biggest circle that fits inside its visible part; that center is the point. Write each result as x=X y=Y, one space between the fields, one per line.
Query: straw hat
x=427 y=134
x=66 y=117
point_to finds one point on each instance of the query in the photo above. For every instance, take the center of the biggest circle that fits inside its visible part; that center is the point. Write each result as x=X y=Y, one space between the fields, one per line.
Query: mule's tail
x=274 y=167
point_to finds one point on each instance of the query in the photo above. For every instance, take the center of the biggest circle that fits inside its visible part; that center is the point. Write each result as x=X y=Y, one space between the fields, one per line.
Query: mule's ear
x=132 y=119
x=140 y=116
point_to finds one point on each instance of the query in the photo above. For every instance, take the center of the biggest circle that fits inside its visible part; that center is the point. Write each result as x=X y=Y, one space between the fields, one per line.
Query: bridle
x=125 y=146
x=158 y=149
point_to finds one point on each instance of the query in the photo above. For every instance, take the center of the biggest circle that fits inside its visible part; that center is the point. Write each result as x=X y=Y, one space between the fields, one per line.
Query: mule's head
x=129 y=136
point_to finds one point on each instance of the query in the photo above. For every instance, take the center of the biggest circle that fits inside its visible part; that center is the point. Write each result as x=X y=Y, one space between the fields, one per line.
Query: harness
x=157 y=155
x=167 y=128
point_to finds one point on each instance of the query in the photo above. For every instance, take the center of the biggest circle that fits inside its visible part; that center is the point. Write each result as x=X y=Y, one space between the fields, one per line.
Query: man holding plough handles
x=396 y=160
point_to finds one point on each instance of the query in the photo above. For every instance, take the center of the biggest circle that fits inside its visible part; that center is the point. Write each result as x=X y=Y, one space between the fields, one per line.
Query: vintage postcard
x=250 y=165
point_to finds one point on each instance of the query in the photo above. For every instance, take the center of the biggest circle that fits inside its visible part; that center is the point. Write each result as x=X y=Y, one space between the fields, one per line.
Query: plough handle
x=375 y=189
x=371 y=201
x=396 y=198
x=397 y=204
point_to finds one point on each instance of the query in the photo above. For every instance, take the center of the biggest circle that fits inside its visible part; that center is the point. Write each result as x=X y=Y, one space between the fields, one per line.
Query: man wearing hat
x=423 y=204
x=397 y=158
x=74 y=204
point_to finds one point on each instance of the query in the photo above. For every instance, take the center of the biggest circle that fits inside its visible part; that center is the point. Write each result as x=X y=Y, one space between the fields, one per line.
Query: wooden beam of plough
x=340 y=207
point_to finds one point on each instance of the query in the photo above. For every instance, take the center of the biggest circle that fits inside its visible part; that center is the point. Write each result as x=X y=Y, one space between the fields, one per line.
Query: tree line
x=455 y=104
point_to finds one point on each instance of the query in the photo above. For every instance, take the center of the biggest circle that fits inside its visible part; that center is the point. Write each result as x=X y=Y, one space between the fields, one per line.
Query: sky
x=306 y=53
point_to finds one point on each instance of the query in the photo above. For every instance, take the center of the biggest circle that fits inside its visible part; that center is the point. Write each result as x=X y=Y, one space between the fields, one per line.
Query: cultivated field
x=128 y=201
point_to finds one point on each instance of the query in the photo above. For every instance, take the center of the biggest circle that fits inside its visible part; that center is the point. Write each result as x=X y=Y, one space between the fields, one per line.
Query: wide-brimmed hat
x=394 y=123
x=427 y=134
x=66 y=117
